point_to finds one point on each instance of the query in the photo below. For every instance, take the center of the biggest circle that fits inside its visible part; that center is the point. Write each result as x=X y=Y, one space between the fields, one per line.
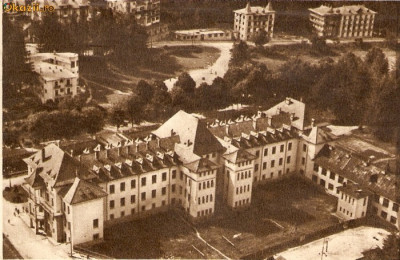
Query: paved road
x=24 y=239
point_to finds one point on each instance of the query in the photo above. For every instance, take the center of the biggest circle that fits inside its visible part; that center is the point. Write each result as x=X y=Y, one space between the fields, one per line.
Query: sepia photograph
x=200 y=129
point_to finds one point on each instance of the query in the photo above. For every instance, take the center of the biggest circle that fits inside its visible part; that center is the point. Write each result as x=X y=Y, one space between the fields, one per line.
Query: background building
x=58 y=74
x=353 y=21
x=251 y=19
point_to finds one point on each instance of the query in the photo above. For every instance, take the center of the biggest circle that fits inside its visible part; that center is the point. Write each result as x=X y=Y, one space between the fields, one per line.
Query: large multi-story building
x=352 y=21
x=251 y=19
x=66 y=10
x=58 y=74
x=198 y=166
x=147 y=12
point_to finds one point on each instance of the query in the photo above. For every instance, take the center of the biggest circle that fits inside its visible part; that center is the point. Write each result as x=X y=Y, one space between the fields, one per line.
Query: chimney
x=136 y=148
x=291 y=117
x=106 y=153
x=278 y=110
x=227 y=129
x=72 y=153
x=96 y=155
x=312 y=122
x=255 y=124
x=172 y=132
x=269 y=120
x=119 y=151
x=288 y=101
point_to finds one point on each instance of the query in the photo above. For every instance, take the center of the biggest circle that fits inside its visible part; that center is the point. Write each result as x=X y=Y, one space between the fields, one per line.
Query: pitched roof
x=352 y=167
x=346 y=9
x=192 y=132
x=290 y=106
x=256 y=9
x=317 y=136
x=55 y=166
x=238 y=156
x=82 y=191
x=201 y=165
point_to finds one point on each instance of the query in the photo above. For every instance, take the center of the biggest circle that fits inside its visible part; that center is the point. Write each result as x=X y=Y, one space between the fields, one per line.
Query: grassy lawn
x=289 y=202
x=103 y=76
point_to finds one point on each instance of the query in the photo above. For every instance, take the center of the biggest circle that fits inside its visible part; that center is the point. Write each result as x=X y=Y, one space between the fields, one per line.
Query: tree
x=240 y=53
x=92 y=119
x=186 y=83
x=377 y=62
x=16 y=71
x=52 y=35
x=117 y=117
x=143 y=91
x=319 y=44
x=389 y=251
x=260 y=38
x=134 y=108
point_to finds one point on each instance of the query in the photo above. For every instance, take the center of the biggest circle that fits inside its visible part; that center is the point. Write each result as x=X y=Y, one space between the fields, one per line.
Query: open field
x=105 y=78
x=279 y=210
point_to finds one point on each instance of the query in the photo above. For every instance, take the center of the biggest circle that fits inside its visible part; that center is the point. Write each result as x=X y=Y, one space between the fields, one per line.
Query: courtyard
x=280 y=210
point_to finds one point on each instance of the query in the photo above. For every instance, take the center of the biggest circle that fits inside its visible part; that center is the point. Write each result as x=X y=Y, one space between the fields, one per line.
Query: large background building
x=353 y=21
x=251 y=19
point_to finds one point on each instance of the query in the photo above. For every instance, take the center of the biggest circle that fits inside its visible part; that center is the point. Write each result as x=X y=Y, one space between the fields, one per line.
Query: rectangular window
x=164 y=191
x=395 y=207
x=173 y=174
x=112 y=189
x=154 y=179
x=384 y=214
x=111 y=204
x=143 y=195
x=133 y=184
x=153 y=193
x=376 y=198
x=143 y=181
x=181 y=175
x=385 y=202
x=133 y=199
x=266 y=152
x=288 y=159
x=122 y=186
x=322 y=183
x=95 y=236
x=304 y=147
x=303 y=161
x=255 y=168
x=95 y=223
x=323 y=171
x=272 y=163
x=280 y=161
x=330 y=186
x=393 y=220
x=122 y=213
x=289 y=146
x=173 y=186
x=314 y=178
x=341 y=179
x=164 y=176
x=316 y=167
x=122 y=202
x=332 y=175
x=273 y=150
x=282 y=148
x=257 y=154
x=264 y=165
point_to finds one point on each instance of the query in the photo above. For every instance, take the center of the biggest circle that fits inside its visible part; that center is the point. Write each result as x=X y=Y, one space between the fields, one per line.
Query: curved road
x=218 y=69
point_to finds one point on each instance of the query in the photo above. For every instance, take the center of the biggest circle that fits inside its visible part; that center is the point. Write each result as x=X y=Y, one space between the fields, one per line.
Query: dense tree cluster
x=17 y=71
x=65 y=123
x=117 y=34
